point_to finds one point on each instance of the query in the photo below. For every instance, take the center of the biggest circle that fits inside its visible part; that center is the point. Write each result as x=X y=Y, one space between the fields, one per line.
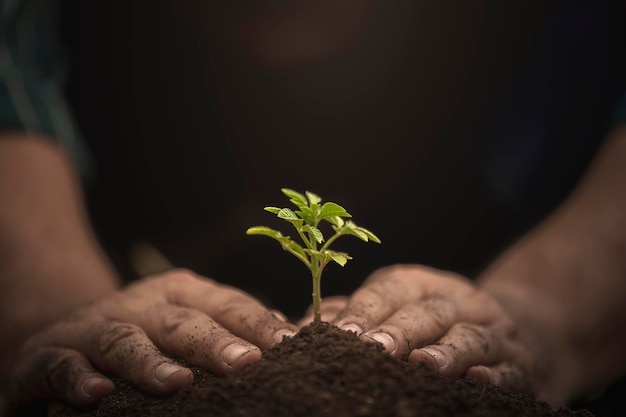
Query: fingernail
x=437 y=356
x=165 y=370
x=280 y=334
x=90 y=384
x=384 y=339
x=352 y=327
x=232 y=353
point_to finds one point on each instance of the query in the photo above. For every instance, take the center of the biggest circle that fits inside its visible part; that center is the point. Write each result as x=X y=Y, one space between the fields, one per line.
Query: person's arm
x=66 y=326
x=61 y=304
x=547 y=318
x=567 y=282
x=50 y=261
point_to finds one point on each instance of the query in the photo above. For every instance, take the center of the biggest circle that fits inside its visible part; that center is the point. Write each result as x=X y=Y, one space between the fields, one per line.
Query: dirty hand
x=437 y=318
x=128 y=334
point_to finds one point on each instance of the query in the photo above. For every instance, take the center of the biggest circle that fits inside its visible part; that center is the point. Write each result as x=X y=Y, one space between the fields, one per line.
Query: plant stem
x=330 y=240
x=308 y=243
x=316 y=272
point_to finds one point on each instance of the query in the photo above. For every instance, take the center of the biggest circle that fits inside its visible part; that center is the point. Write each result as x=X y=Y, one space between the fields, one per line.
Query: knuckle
x=62 y=369
x=44 y=360
x=124 y=349
x=439 y=309
x=175 y=318
x=233 y=305
x=476 y=336
x=48 y=372
x=115 y=333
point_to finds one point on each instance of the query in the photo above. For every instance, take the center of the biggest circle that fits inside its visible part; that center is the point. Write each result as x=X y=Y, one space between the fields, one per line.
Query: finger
x=504 y=375
x=125 y=350
x=233 y=309
x=121 y=349
x=464 y=346
x=414 y=325
x=329 y=309
x=383 y=292
x=193 y=336
x=58 y=373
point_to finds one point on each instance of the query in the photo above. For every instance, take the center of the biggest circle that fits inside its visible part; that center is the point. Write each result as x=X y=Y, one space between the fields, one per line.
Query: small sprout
x=314 y=251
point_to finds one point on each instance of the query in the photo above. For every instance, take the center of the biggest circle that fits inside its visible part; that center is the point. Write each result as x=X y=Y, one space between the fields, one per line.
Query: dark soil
x=324 y=371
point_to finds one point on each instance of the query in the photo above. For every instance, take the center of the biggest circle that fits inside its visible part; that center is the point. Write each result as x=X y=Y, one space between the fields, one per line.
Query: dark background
x=447 y=129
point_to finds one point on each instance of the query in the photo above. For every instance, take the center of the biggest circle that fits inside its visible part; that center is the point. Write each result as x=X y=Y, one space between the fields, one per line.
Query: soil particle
x=324 y=372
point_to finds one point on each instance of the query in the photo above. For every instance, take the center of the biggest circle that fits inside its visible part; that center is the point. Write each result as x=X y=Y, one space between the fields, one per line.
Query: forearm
x=567 y=281
x=50 y=261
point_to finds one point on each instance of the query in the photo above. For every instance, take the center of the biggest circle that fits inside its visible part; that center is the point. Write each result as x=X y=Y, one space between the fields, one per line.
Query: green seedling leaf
x=354 y=231
x=360 y=232
x=369 y=234
x=265 y=231
x=313 y=198
x=290 y=216
x=336 y=221
x=315 y=232
x=339 y=258
x=299 y=204
x=315 y=209
x=306 y=214
x=330 y=210
x=296 y=198
x=313 y=253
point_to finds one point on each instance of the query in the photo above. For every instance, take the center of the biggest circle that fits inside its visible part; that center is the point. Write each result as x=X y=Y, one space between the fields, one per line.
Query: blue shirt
x=31 y=74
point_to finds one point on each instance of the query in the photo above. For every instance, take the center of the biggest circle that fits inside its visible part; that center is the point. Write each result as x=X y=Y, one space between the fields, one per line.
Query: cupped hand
x=439 y=319
x=135 y=333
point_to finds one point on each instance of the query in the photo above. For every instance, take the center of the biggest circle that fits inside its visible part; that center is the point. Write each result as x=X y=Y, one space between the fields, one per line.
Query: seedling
x=314 y=251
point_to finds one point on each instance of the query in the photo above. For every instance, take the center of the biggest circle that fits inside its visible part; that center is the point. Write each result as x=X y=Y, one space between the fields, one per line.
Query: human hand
x=437 y=318
x=129 y=334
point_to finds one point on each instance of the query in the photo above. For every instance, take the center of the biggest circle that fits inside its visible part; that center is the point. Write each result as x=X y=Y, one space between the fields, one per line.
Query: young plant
x=314 y=251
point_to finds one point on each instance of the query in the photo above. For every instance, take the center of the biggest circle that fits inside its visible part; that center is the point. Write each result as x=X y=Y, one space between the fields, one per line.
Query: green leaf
x=339 y=257
x=288 y=243
x=265 y=231
x=369 y=234
x=336 y=221
x=298 y=204
x=287 y=214
x=315 y=232
x=296 y=198
x=330 y=209
x=315 y=209
x=273 y=210
x=355 y=232
x=306 y=214
x=313 y=198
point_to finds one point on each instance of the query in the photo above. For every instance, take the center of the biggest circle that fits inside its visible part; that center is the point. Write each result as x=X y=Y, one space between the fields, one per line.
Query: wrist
x=553 y=368
x=563 y=288
x=50 y=260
